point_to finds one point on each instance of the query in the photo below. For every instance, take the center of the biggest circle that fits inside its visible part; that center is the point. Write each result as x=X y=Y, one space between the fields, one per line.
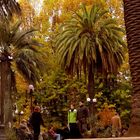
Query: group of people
x=77 y=123
x=78 y=120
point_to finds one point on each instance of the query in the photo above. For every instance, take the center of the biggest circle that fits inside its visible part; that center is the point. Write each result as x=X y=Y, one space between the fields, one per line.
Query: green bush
x=10 y=134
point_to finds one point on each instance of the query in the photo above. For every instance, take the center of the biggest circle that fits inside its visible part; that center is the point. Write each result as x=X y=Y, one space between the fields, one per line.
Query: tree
x=8 y=7
x=18 y=50
x=132 y=22
x=28 y=14
x=23 y=51
x=92 y=42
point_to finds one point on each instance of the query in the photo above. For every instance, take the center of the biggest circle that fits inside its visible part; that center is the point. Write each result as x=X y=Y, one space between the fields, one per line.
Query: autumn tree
x=28 y=14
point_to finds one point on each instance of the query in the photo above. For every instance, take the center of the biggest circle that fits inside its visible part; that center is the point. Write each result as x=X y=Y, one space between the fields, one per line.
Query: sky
x=37 y=4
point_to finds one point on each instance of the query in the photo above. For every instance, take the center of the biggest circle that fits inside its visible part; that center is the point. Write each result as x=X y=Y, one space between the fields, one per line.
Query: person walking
x=82 y=117
x=116 y=125
x=72 y=123
x=35 y=121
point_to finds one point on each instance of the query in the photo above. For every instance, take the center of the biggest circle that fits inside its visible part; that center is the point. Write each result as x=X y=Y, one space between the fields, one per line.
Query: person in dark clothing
x=64 y=131
x=35 y=121
x=82 y=117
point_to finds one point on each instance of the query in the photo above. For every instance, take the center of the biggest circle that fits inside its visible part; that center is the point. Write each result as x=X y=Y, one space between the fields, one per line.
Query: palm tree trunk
x=91 y=82
x=5 y=90
x=91 y=92
x=132 y=22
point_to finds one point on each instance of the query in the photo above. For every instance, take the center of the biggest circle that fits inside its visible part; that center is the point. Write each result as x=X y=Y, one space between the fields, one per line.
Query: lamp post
x=92 y=103
x=19 y=113
x=31 y=90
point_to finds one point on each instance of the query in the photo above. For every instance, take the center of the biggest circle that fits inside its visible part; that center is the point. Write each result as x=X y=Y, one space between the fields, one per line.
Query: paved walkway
x=121 y=138
x=2 y=133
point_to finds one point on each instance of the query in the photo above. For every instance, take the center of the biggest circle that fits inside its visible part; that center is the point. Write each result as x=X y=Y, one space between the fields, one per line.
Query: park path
x=121 y=138
x=2 y=134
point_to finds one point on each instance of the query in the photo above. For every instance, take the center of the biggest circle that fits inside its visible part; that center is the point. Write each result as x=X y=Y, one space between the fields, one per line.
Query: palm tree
x=8 y=7
x=132 y=22
x=92 y=42
x=19 y=49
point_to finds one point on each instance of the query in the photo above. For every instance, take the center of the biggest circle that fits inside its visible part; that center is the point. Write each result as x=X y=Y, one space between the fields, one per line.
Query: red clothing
x=52 y=133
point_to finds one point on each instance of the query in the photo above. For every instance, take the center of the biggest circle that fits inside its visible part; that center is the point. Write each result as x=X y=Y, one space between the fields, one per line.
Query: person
x=45 y=135
x=35 y=121
x=72 y=122
x=53 y=134
x=65 y=131
x=24 y=130
x=82 y=117
x=116 y=125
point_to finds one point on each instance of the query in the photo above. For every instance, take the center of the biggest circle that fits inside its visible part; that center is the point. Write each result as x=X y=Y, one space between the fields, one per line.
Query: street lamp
x=92 y=110
x=31 y=90
x=92 y=103
x=94 y=100
x=19 y=113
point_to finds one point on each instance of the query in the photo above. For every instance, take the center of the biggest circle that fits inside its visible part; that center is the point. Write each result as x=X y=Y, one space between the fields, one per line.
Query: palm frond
x=24 y=49
x=8 y=7
x=91 y=37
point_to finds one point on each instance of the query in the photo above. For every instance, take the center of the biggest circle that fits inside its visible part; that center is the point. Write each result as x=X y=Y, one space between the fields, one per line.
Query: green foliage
x=118 y=98
x=57 y=91
x=91 y=37
x=10 y=134
x=24 y=50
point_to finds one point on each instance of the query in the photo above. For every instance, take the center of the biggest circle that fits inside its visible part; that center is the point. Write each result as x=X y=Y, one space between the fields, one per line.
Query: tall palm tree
x=132 y=22
x=8 y=7
x=91 y=41
x=19 y=49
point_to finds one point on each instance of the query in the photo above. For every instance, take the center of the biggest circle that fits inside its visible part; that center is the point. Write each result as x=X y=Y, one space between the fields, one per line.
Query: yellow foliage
x=28 y=14
x=21 y=83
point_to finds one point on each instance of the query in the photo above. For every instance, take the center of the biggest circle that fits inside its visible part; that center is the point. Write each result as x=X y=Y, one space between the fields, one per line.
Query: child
x=53 y=134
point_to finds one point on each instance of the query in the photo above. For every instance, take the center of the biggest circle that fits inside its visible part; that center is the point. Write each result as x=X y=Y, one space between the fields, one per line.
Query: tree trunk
x=91 y=82
x=5 y=90
x=91 y=94
x=132 y=22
